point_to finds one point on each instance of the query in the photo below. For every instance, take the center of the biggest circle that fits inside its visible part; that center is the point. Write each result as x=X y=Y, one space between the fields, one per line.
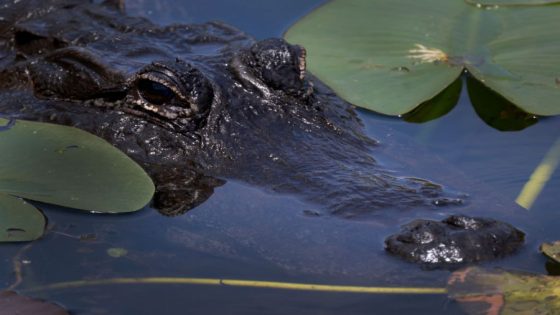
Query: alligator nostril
x=274 y=64
x=302 y=63
x=281 y=65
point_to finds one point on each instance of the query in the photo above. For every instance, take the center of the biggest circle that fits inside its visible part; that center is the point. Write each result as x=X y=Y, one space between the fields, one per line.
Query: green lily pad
x=551 y=250
x=361 y=47
x=482 y=291
x=19 y=221
x=69 y=167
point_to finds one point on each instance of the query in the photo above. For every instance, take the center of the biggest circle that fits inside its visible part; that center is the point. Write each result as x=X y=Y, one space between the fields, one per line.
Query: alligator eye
x=155 y=92
x=173 y=90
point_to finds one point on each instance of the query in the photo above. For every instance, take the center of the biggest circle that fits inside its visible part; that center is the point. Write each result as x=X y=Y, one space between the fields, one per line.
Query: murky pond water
x=243 y=232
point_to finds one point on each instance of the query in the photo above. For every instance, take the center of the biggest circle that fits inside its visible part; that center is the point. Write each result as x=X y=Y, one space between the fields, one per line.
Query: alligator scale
x=196 y=105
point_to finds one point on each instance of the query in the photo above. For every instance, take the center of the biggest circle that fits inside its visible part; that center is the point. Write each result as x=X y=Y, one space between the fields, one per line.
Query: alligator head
x=196 y=105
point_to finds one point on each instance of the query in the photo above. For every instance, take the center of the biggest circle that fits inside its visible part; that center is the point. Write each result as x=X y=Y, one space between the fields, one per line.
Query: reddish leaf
x=12 y=303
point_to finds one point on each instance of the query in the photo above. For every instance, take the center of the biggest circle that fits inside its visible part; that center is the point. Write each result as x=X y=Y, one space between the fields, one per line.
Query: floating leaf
x=551 y=250
x=69 y=167
x=360 y=48
x=19 y=221
x=494 y=292
x=12 y=303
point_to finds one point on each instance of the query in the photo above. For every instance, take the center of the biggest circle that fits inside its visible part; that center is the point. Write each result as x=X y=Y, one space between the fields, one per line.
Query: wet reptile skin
x=196 y=105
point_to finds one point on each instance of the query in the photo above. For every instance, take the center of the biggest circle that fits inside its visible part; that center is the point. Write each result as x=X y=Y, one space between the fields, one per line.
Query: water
x=242 y=232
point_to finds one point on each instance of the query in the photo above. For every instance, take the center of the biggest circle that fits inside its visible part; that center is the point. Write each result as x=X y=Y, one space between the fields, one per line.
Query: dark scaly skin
x=196 y=105
x=455 y=241
x=192 y=103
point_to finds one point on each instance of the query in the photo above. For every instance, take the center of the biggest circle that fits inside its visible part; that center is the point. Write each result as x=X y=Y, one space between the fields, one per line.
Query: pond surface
x=243 y=232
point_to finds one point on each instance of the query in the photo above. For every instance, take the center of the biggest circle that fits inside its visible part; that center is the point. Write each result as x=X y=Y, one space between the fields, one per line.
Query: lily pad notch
x=392 y=56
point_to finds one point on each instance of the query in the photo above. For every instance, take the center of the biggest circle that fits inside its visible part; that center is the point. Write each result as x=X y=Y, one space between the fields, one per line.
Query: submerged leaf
x=70 y=167
x=19 y=221
x=12 y=303
x=494 y=292
x=495 y=110
x=117 y=252
x=360 y=48
x=437 y=107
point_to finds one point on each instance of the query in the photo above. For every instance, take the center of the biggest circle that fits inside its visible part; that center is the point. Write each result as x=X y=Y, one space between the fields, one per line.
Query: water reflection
x=181 y=189
x=261 y=19
x=241 y=231
x=497 y=111
x=438 y=106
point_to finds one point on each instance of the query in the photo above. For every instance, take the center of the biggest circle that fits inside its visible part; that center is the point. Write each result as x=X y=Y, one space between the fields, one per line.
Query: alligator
x=196 y=105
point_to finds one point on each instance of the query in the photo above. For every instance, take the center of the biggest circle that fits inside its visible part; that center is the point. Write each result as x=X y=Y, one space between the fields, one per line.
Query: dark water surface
x=242 y=232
